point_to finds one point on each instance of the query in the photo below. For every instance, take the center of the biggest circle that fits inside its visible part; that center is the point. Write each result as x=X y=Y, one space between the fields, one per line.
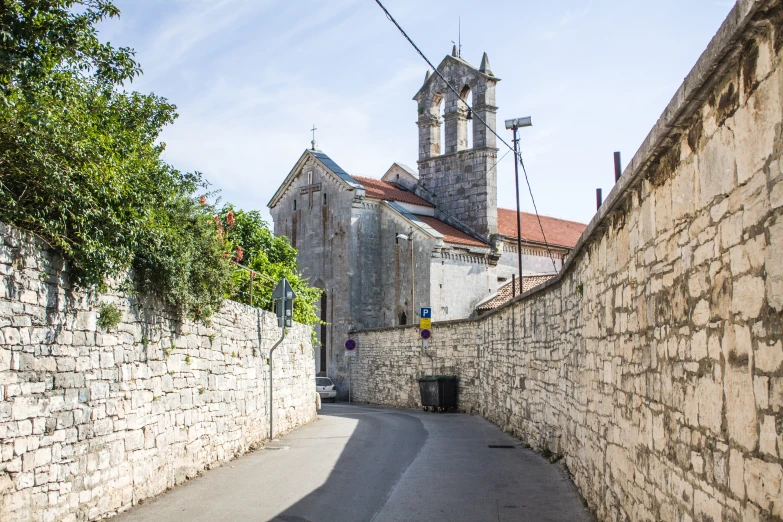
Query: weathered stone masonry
x=93 y=421
x=654 y=362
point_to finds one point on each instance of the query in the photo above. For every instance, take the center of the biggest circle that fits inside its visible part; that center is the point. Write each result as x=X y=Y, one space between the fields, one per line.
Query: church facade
x=381 y=249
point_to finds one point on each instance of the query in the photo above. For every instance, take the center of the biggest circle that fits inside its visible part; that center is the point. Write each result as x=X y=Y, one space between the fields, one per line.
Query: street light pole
x=514 y=124
x=519 y=218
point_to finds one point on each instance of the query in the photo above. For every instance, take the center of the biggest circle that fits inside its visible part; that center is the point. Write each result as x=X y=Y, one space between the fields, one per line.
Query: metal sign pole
x=284 y=298
x=350 y=378
x=271 y=386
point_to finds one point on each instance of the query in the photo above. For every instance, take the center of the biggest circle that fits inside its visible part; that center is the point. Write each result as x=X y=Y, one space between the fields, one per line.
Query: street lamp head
x=519 y=122
x=402 y=236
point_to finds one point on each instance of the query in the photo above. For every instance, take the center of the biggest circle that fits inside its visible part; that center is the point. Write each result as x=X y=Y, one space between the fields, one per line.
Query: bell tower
x=460 y=179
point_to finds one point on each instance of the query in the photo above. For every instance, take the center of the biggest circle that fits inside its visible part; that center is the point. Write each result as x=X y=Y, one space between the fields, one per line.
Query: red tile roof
x=452 y=235
x=505 y=293
x=558 y=231
x=378 y=189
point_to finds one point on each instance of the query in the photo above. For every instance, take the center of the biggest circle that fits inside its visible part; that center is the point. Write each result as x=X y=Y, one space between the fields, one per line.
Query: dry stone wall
x=654 y=363
x=92 y=421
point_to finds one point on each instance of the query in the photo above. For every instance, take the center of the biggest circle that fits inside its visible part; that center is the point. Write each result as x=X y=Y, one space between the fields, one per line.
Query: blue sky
x=251 y=77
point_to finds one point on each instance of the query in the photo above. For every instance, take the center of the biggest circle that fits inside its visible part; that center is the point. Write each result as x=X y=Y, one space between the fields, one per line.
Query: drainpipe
x=413 y=284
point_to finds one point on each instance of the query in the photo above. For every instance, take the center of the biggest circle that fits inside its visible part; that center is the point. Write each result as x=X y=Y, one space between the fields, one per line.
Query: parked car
x=326 y=388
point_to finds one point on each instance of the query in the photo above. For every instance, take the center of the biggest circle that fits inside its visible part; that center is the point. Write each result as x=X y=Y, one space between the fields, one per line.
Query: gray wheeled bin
x=438 y=392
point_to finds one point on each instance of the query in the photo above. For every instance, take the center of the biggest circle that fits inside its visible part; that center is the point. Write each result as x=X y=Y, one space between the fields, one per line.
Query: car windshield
x=323 y=381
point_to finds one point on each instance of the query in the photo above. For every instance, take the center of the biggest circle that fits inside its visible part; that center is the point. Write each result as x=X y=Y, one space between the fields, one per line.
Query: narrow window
x=324 y=198
x=441 y=149
x=294 y=204
x=403 y=318
x=465 y=130
x=310 y=178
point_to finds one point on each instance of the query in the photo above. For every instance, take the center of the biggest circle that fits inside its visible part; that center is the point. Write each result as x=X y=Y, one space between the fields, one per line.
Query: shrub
x=108 y=316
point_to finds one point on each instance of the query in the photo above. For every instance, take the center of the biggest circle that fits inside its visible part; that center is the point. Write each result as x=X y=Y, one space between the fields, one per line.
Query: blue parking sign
x=426 y=313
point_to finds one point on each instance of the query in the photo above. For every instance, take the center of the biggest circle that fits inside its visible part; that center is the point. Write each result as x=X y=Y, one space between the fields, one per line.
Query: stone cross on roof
x=313 y=142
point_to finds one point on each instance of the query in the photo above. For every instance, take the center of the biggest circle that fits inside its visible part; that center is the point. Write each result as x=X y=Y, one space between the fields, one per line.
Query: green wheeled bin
x=438 y=392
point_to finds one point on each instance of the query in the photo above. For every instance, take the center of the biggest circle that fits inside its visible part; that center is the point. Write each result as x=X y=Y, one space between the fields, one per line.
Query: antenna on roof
x=459 y=36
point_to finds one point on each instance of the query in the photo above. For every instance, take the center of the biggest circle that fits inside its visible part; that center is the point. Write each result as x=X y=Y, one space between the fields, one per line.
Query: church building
x=383 y=248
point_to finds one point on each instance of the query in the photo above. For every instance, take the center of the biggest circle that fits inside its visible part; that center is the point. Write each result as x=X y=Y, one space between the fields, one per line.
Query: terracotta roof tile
x=505 y=292
x=558 y=231
x=378 y=189
x=452 y=235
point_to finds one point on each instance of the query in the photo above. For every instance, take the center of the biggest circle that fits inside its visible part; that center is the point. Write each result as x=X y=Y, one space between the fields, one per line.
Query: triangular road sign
x=283 y=289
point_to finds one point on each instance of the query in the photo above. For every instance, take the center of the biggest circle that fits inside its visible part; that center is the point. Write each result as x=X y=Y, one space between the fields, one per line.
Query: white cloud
x=251 y=76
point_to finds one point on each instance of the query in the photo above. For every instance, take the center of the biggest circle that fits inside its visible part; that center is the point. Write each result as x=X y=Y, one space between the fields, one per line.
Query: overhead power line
x=479 y=118
x=498 y=161
x=524 y=171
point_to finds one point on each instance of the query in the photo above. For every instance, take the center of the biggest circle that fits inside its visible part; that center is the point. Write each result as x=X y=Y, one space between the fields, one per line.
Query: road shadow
x=371 y=463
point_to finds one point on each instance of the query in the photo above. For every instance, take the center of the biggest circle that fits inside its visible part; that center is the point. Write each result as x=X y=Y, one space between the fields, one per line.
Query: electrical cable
x=498 y=161
x=530 y=190
x=517 y=155
x=392 y=20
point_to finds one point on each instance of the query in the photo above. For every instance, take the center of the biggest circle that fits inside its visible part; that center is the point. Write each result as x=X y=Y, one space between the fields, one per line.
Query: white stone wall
x=458 y=281
x=93 y=421
x=654 y=363
x=535 y=261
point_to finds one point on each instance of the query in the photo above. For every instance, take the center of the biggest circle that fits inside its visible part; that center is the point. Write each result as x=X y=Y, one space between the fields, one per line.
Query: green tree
x=80 y=164
x=270 y=258
x=40 y=37
x=80 y=167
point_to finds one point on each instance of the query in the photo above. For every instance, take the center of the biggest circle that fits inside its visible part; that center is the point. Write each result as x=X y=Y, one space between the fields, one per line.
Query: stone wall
x=93 y=421
x=654 y=362
x=459 y=280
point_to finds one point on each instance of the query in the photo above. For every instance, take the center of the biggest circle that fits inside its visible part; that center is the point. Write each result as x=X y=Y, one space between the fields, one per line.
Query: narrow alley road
x=363 y=463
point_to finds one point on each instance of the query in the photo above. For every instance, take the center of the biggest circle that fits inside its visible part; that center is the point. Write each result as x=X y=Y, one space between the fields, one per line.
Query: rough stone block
x=755 y=128
x=768 y=357
x=761 y=391
x=763 y=483
x=717 y=168
x=86 y=321
x=737 y=474
x=741 y=407
x=710 y=404
x=768 y=437
x=773 y=266
x=748 y=296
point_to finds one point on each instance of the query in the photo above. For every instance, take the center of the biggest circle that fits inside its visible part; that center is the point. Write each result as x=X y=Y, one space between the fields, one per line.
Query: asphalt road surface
x=366 y=463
